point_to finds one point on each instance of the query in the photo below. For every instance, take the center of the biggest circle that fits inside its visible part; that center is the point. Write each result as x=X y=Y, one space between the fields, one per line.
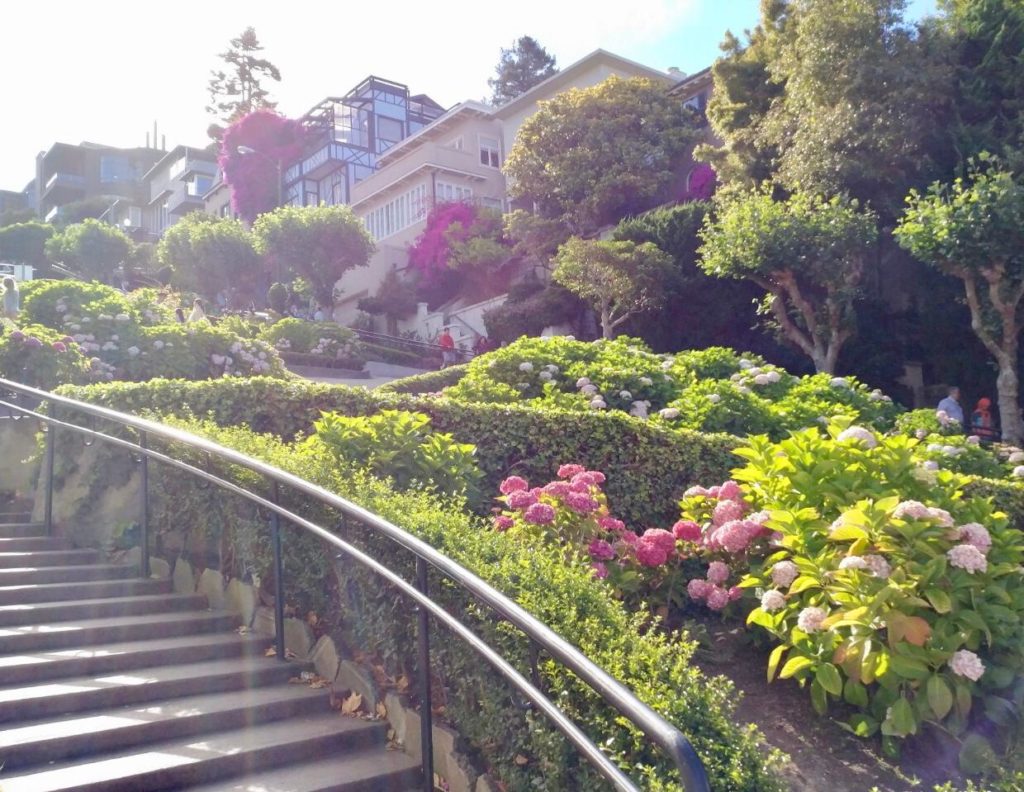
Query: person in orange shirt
x=447 y=344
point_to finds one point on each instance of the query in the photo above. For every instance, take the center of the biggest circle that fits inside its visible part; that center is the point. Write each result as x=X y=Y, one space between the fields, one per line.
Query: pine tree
x=238 y=90
x=519 y=69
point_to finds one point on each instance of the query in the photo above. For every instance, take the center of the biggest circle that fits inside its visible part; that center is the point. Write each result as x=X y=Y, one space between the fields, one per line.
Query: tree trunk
x=1007 y=388
x=607 y=326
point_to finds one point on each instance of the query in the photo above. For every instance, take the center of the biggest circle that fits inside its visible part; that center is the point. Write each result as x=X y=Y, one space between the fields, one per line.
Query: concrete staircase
x=109 y=682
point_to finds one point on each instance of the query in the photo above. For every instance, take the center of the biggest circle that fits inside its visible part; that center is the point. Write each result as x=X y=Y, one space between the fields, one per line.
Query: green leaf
x=976 y=755
x=794 y=666
x=901 y=720
x=774 y=659
x=940 y=698
x=819 y=699
x=855 y=693
x=828 y=677
x=939 y=600
x=908 y=667
x=803 y=583
x=847 y=533
x=861 y=725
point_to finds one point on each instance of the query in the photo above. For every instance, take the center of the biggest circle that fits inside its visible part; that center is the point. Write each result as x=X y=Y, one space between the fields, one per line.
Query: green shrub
x=921 y=423
x=724 y=406
x=430 y=382
x=41 y=357
x=59 y=304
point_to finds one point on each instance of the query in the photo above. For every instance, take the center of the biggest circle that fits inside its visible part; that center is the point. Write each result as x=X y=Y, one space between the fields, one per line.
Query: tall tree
x=591 y=156
x=520 y=68
x=92 y=249
x=237 y=89
x=210 y=254
x=320 y=243
x=807 y=253
x=617 y=279
x=974 y=231
x=24 y=243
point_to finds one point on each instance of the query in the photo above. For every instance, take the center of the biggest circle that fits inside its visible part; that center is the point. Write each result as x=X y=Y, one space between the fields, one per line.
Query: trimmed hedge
x=648 y=467
x=430 y=382
x=512 y=740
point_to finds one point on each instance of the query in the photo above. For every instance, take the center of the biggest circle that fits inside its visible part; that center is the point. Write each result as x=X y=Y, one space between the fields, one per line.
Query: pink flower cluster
x=967 y=664
x=729 y=530
x=914 y=510
x=712 y=594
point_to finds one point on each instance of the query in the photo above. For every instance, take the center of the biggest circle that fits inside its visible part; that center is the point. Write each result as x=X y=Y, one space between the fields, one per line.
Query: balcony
x=180 y=202
x=62 y=187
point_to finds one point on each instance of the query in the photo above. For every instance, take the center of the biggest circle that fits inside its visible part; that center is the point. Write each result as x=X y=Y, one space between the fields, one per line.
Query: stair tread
x=124 y=649
x=85 y=603
x=93 y=723
x=46 y=554
x=68 y=568
x=83 y=625
x=175 y=753
x=23 y=593
x=323 y=775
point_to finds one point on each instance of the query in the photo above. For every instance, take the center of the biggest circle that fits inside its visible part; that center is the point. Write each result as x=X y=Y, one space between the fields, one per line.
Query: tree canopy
x=91 y=248
x=237 y=88
x=520 y=68
x=807 y=253
x=591 y=156
x=24 y=243
x=617 y=279
x=320 y=243
x=210 y=254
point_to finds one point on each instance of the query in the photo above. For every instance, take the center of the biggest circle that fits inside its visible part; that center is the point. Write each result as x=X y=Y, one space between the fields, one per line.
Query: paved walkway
x=380 y=373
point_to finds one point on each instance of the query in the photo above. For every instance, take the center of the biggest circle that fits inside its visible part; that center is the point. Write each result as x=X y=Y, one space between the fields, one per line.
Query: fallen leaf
x=382 y=711
x=521 y=760
x=243 y=630
x=289 y=654
x=352 y=704
x=402 y=683
x=271 y=652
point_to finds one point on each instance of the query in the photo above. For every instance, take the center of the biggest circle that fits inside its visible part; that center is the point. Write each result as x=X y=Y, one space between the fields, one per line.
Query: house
x=177 y=185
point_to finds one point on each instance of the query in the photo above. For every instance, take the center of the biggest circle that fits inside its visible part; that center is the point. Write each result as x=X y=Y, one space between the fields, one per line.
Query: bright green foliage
x=520 y=68
x=876 y=546
x=807 y=253
x=617 y=279
x=402 y=446
x=327 y=340
x=91 y=248
x=958 y=454
x=209 y=255
x=41 y=357
x=974 y=231
x=590 y=156
x=431 y=382
x=40 y=301
x=922 y=423
x=320 y=243
x=24 y=243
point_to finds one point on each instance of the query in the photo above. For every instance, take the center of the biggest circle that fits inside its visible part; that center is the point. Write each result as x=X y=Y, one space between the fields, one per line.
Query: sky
x=104 y=71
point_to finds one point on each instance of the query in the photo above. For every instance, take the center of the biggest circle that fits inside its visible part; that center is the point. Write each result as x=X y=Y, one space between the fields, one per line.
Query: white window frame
x=495 y=151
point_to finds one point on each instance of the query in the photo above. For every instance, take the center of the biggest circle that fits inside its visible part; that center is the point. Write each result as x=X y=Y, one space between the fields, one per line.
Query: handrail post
x=51 y=442
x=144 y=510
x=275 y=542
x=426 y=715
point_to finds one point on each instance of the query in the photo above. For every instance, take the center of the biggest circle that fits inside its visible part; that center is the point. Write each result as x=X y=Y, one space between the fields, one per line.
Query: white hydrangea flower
x=967 y=664
x=625 y=395
x=589 y=390
x=745 y=364
x=772 y=600
x=761 y=379
x=545 y=376
x=1016 y=458
x=839 y=382
x=646 y=381
x=582 y=382
x=526 y=365
x=860 y=434
x=597 y=404
x=773 y=376
x=714 y=398
x=669 y=413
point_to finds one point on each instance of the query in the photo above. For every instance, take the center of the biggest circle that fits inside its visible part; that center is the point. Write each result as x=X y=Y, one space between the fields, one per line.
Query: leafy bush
x=430 y=382
x=59 y=304
x=959 y=454
x=41 y=357
x=921 y=423
x=402 y=446
x=326 y=339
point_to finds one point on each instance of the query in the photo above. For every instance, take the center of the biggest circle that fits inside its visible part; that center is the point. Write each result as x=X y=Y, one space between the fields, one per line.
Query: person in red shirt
x=447 y=344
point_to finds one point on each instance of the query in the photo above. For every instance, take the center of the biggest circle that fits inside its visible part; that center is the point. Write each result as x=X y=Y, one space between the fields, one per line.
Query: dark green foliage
x=520 y=68
x=277 y=297
x=23 y=243
x=530 y=308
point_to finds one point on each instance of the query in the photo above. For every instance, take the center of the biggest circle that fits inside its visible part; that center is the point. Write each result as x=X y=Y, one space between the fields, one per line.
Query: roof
x=435 y=127
x=692 y=81
x=557 y=82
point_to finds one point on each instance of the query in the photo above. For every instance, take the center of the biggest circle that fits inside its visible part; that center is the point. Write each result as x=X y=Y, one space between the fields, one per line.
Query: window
x=490 y=154
x=452 y=192
x=397 y=214
x=389 y=132
x=491 y=203
x=198 y=186
x=115 y=169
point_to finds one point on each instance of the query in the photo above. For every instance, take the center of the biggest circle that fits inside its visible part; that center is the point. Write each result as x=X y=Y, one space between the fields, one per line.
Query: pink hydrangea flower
x=718 y=573
x=503 y=522
x=879 y=567
x=629 y=538
x=520 y=499
x=600 y=570
x=784 y=573
x=649 y=554
x=665 y=540
x=59 y=346
x=693 y=492
x=853 y=562
x=911 y=510
x=513 y=484
x=595 y=477
x=581 y=503
x=611 y=524
x=810 y=620
x=698 y=589
x=579 y=486
x=967 y=664
x=540 y=514
x=600 y=550
x=760 y=517
x=976 y=534
x=735 y=593
x=942 y=517
x=687 y=531
x=714 y=491
x=726 y=511
x=568 y=471
x=558 y=488
x=730 y=490
x=772 y=600
x=718 y=598
x=968 y=558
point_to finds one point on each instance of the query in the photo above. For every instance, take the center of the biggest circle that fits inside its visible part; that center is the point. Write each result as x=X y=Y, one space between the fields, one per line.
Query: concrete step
x=17 y=544
x=93 y=733
x=248 y=669
x=182 y=762
x=50 y=612
x=66 y=574
x=364 y=771
x=118 y=659
x=19 y=529
x=87 y=634
x=46 y=558
x=26 y=593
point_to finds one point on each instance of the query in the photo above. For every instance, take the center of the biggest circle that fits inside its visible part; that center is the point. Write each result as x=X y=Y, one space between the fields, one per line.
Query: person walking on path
x=198 y=314
x=981 y=420
x=447 y=344
x=951 y=406
x=12 y=298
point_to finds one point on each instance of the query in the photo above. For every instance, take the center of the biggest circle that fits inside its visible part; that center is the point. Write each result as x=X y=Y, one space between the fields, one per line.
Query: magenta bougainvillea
x=701 y=183
x=447 y=223
x=253 y=177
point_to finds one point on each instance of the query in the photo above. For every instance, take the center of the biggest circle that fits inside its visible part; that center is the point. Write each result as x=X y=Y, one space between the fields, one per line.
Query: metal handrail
x=409 y=344
x=653 y=725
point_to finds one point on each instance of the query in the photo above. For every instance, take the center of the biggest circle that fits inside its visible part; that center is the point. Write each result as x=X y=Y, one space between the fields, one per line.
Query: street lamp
x=247 y=151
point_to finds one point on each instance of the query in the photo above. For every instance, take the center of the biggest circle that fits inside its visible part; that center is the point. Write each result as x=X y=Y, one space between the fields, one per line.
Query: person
x=981 y=420
x=198 y=314
x=179 y=314
x=951 y=406
x=319 y=315
x=447 y=344
x=12 y=298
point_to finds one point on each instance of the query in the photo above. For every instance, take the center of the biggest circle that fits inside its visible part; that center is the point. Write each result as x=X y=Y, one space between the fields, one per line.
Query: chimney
x=163 y=142
x=147 y=139
x=154 y=134
x=675 y=71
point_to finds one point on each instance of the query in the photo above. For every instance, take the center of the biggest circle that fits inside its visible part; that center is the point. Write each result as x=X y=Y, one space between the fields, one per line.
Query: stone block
x=298 y=637
x=183 y=580
x=158 y=568
x=241 y=598
x=352 y=676
x=211 y=586
x=325 y=658
x=263 y=621
x=486 y=784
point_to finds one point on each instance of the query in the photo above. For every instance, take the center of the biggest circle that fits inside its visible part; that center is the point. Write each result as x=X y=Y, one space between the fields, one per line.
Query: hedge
x=509 y=739
x=648 y=467
x=430 y=382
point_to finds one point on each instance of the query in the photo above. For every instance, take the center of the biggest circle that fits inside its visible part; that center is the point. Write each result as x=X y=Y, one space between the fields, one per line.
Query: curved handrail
x=653 y=725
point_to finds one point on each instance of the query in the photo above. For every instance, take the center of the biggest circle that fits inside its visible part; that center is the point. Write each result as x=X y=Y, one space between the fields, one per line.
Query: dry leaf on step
x=382 y=711
x=352 y=704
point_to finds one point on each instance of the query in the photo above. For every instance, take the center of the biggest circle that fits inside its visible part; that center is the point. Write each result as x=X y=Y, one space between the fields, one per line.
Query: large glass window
x=389 y=132
x=490 y=153
x=115 y=169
